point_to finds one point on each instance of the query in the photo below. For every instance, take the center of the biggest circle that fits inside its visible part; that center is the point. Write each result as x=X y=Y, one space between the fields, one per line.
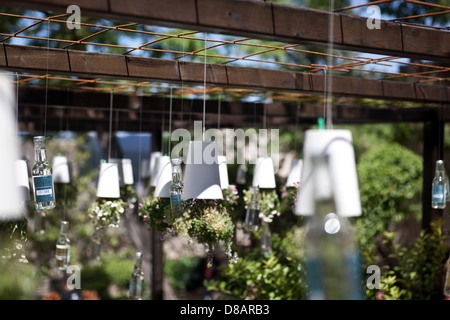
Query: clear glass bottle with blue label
x=176 y=187
x=44 y=191
x=439 y=187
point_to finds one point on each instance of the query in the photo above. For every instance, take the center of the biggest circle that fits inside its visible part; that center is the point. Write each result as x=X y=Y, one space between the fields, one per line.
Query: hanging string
x=17 y=103
x=170 y=123
x=296 y=127
x=46 y=78
x=110 y=123
x=218 y=112
x=204 y=87
x=140 y=136
x=162 y=128
x=264 y=117
x=329 y=77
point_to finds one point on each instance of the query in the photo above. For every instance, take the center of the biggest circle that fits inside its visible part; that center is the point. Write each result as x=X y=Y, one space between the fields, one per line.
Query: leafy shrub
x=390 y=181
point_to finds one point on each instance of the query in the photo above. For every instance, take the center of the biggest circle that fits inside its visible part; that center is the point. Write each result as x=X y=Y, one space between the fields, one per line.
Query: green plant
x=390 y=180
x=269 y=203
x=413 y=271
x=106 y=212
x=278 y=276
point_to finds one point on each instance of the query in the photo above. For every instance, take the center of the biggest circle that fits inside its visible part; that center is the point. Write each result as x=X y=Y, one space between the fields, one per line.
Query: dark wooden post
x=433 y=150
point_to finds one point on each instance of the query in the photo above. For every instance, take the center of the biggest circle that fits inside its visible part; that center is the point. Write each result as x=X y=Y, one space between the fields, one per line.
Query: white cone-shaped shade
x=154 y=164
x=164 y=178
x=295 y=173
x=23 y=179
x=108 y=181
x=127 y=170
x=61 y=172
x=202 y=178
x=9 y=195
x=264 y=174
x=338 y=146
x=223 y=172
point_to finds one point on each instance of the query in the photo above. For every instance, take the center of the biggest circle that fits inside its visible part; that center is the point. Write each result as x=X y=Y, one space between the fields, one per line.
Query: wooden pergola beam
x=85 y=111
x=88 y=64
x=266 y=20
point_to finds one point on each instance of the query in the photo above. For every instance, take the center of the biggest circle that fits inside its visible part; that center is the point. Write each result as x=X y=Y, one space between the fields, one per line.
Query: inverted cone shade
x=337 y=145
x=127 y=171
x=108 y=181
x=223 y=172
x=154 y=164
x=61 y=172
x=9 y=195
x=164 y=178
x=295 y=173
x=202 y=178
x=264 y=174
x=23 y=181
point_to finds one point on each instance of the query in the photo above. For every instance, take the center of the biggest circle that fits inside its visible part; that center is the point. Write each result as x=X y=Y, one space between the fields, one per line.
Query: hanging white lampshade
x=9 y=196
x=202 y=178
x=108 y=181
x=154 y=164
x=61 y=172
x=337 y=145
x=164 y=178
x=223 y=172
x=127 y=171
x=264 y=174
x=23 y=181
x=295 y=173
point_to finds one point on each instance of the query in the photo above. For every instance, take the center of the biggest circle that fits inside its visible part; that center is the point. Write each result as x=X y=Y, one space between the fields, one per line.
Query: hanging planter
x=106 y=212
x=269 y=203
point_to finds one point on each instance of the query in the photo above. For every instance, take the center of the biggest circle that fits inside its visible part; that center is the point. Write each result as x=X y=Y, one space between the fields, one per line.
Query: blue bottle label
x=175 y=199
x=43 y=188
x=438 y=194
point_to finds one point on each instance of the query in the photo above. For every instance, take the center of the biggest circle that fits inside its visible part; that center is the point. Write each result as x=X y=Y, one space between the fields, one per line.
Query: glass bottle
x=241 y=175
x=439 y=187
x=44 y=195
x=176 y=187
x=63 y=247
x=137 y=279
x=447 y=280
x=332 y=259
x=251 y=222
x=266 y=239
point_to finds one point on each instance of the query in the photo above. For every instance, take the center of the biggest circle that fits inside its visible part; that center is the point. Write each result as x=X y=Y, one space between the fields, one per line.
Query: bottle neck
x=64 y=228
x=176 y=173
x=40 y=155
x=138 y=264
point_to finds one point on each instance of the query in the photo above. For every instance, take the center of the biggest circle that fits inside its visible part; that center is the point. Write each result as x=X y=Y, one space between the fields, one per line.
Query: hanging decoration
x=44 y=191
x=9 y=196
x=61 y=170
x=338 y=146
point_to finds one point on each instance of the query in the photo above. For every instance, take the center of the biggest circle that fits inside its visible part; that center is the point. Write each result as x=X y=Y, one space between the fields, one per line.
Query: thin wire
x=170 y=124
x=204 y=88
x=329 y=122
x=17 y=103
x=110 y=124
x=218 y=111
x=46 y=79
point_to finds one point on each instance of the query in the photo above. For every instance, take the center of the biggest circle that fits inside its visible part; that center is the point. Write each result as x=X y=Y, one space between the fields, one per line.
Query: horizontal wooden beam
x=266 y=20
x=88 y=64
x=85 y=111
